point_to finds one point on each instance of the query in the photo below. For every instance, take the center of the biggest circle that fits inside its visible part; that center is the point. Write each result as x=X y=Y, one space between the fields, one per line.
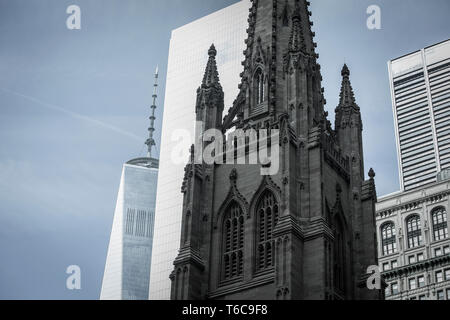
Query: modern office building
x=128 y=262
x=420 y=89
x=127 y=267
x=412 y=228
x=413 y=242
x=189 y=45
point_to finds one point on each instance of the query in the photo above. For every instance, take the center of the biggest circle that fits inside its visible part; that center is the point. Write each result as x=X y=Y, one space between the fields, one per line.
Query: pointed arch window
x=388 y=240
x=339 y=256
x=233 y=242
x=439 y=218
x=187 y=226
x=259 y=87
x=267 y=217
x=414 y=231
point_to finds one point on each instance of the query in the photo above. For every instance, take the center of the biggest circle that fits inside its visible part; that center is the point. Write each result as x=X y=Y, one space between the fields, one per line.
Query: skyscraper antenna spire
x=150 y=141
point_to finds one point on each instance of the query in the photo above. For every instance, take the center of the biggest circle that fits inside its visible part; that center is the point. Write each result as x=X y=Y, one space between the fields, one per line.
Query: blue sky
x=74 y=105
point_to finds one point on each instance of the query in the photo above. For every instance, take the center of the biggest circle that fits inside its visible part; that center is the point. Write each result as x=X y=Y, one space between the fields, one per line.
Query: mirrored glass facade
x=128 y=262
x=188 y=55
x=420 y=89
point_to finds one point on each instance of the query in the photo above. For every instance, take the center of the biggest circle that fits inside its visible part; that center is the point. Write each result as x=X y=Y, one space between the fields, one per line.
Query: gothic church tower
x=307 y=232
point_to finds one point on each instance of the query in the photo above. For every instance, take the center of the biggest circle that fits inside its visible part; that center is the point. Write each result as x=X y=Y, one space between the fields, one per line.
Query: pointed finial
x=345 y=71
x=347 y=97
x=211 y=75
x=212 y=52
x=371 y=174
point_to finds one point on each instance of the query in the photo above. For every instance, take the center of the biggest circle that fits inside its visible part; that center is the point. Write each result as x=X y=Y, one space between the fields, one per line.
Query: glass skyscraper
x=420 y=89
x=127 y=268
x=188 y=55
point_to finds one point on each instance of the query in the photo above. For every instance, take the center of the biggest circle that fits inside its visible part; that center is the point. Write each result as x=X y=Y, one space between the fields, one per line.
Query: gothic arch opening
x=339 y=255
x=259 y=91
x=232 y=242
x=267 y=214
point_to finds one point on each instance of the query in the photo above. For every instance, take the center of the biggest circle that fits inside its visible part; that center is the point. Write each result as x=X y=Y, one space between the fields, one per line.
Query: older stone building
x=306 y=232
x=413 y=242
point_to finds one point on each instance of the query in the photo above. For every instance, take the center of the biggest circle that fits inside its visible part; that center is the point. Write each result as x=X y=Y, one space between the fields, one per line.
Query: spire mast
x=150 y=141
x=347 y=97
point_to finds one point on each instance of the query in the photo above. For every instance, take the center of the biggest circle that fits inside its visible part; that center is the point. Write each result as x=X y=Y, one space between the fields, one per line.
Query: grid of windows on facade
x=414 y=235
x=414 y=129
x=421 y=100
x=416 y=258
x=416 y=282
x=419 y=281
x=440 y=277
x=390 y=265
x=439 y=79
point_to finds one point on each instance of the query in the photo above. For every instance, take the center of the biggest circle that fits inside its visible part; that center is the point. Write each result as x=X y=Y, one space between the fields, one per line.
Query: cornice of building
x=415 y=202
x=416 y=267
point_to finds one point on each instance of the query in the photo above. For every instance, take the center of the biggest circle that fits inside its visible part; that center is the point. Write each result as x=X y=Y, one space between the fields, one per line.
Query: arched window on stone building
x=413 y=231
x=233 y=242
x=267 y=217
x=339 y=256
x=388 y=240
x=259 y=86
x=439 y=219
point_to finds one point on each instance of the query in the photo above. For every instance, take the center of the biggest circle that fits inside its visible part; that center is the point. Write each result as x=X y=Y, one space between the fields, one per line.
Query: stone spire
x=348 y=124
x=297 y=39
x=211 y=76
x=347 y=97
x=279 y=32
x=150 y=141
x=209 y=105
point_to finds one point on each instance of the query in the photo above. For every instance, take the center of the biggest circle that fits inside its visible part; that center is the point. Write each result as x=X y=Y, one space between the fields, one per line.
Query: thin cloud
x=74 y=114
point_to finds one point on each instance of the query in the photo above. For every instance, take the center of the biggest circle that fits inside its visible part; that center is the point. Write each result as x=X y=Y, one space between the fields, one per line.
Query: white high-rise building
x=188 y=55
x=420 y=89
x=127 y=268
x=412 y=227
